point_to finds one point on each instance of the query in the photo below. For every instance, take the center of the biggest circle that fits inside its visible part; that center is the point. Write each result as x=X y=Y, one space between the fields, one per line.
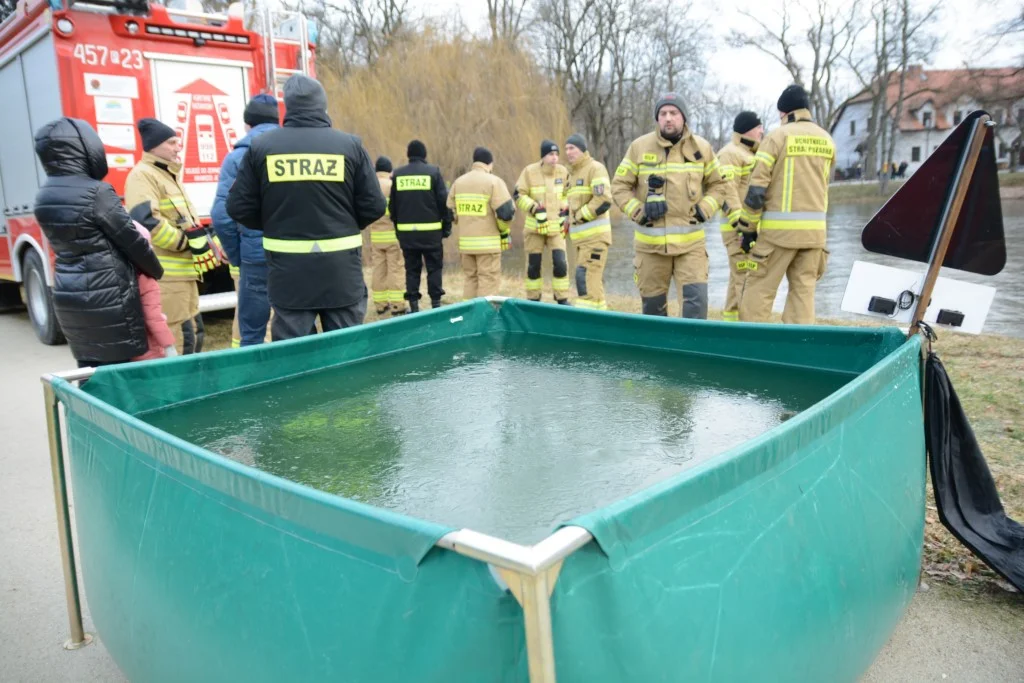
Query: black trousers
x=290 y=323
x=414 y=262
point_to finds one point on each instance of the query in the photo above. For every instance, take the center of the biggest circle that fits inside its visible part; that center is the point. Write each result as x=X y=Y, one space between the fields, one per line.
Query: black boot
x=436 y=303
x=563 y=302
x=414 y=306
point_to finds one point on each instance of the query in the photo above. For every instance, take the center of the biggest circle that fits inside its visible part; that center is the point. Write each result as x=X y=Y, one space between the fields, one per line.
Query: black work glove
x=748 y=237
x=446 y=229
x=655 y=182
x=700 y=214
x=655 y=208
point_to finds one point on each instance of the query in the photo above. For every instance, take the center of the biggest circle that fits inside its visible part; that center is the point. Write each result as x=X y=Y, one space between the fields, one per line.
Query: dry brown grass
x=988 y=372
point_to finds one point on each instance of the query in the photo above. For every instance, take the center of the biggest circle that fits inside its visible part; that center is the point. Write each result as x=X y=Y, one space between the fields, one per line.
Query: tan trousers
x=731 y=311
x=388 y=279
x=180 y=302
x=591 y=259
x=767 y=264
x=654 y=272
x=483 y=273
x=535 y=244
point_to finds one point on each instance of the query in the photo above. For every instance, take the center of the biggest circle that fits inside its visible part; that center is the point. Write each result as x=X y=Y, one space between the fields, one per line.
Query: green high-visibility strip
x=417 y=227
x=312 y=246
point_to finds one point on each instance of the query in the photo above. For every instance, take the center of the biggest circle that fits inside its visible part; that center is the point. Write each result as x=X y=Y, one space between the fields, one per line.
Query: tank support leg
x=533 y=592
x=79 y=638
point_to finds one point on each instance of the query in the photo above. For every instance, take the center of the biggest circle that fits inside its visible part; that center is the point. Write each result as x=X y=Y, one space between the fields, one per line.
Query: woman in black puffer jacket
x=96 y=288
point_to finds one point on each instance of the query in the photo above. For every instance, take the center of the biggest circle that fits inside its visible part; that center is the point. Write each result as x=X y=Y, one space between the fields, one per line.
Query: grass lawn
x=988 y=373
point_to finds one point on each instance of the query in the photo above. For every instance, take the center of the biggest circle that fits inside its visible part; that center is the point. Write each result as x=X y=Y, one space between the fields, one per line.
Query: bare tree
x=822 y=32
x=507 y=19
x=871 y=67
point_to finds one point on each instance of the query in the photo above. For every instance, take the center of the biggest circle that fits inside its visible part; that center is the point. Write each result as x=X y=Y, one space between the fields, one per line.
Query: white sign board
x=869 y=280
x=205 y=104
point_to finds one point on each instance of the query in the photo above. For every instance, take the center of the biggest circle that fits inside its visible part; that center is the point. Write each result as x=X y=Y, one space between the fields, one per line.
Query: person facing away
x=180 y=242
x=669 y=185
x=244 y=247
x=418 y=208
x=388 y=282
x=782 y=223
x=539 y=193
x=737 y=163
x=98 y=251
x=586 y=221
x=311 y=190
x=482 y=208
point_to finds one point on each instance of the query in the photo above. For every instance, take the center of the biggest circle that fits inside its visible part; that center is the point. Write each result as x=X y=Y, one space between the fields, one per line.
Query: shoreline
x=1011 y=188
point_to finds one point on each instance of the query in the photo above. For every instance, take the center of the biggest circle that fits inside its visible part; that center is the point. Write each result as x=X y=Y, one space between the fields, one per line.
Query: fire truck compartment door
x=204 y=101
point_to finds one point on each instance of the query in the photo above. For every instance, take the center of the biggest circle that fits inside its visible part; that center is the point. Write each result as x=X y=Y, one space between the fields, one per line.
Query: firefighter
x=244 y=247
x=482 y=208
x=310 y=189
x=737 y=161
x=388 y=265
x=669 y=185
x=181 y=244
x=418 y=199
x=782 y=223
x=539 y=194
x=586 y=219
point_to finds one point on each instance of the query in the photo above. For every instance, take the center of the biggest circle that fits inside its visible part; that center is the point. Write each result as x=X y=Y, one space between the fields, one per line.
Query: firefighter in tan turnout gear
x=482 y=209
x=669 y=185
x=588 y=199
x=782 y=223
x=539 y=194
x=155 y=197
x=736 y=161
x=388 y=280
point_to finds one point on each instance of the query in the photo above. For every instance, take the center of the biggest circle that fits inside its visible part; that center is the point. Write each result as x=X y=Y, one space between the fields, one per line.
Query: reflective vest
x=736 y=162
x=156 y=181
x=794 y=163
x=588 y=195
x=473 y=199
x=542 y=184
x=382 y=231
x=692 y=178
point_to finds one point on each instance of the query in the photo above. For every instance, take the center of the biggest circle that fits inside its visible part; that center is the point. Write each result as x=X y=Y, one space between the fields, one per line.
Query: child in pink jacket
x=158 y=334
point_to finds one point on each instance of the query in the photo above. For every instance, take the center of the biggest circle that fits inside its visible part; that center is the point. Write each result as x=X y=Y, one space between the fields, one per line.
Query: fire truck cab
x=112 y=62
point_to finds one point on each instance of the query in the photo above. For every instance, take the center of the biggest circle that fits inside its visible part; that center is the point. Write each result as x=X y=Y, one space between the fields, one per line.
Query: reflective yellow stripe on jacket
x=590 y=228
x=383 y=237
x=668 y=235
x=176 y=266
x=417 y=227
x=486 y=244
x=312 y=246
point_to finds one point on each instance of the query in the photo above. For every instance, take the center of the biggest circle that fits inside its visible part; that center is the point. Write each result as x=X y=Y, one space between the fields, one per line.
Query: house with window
x=935 y=102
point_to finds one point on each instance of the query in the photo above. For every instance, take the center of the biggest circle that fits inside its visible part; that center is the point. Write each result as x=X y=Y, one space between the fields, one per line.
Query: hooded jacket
x=96 y=288
x=310 y=189
x=241 y=244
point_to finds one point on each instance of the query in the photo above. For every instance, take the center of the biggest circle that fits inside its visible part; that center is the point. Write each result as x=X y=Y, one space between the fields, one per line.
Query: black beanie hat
x=578 y=141
x=792 y=98
x=483 y=156
x=745 y=122
x=261 y=109
x=154 y=133
x=669 y=98
x=547 y=147
x=416 y=150
x=383 y=165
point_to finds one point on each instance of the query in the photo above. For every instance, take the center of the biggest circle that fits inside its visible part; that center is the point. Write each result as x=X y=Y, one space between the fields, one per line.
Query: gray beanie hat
x=578 y=141
x=302 y=93
x=669 y=98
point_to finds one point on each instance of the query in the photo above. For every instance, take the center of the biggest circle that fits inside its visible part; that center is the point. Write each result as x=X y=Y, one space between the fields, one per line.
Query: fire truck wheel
x=39 y=300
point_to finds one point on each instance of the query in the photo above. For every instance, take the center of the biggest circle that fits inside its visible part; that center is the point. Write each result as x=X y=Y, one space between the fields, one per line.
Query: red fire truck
x=112 y=62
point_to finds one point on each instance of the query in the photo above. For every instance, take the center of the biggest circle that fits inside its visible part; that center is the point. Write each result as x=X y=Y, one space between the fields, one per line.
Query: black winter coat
x=418 y=205
x=96 y=288
x=304 y=184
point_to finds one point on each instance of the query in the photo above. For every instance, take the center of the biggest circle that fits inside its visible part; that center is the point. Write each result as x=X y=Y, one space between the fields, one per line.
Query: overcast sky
x=959 y=26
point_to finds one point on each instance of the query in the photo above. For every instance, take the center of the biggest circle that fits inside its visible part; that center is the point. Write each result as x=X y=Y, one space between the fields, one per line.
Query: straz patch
x=470 y=207
x=413 y=182
x=809 y=146
x=650 y=158
x=290 y=168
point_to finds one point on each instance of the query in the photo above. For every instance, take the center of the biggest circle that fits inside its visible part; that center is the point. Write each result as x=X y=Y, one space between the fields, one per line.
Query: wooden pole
x=951 y=215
